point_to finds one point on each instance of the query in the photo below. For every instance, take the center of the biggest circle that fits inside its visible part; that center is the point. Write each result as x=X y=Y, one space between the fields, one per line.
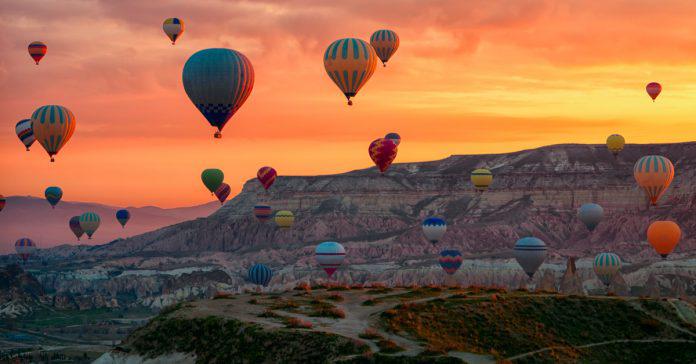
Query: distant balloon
x=591 y=215
x=330 y=255
x=396 y=138
x=615 y=144
x=2 y=202
x=481 y=179
x=653 y=89
x=76 y=227
x=654 y=173
x=284 y=219
x=89 y=222
x=664 y=237
x=53 y=195
x=263 y=213
x=173 y=28
x=530 y=253
x=53 y=126
x=450 y=261
x=25 y=247
x=37 y=50
x=25 y=133
x=123 y=216
x=434 y=229
x=350 y=62
x=260 y=274
x=382 y=152
x=266 y=175
x=606 y=265
x=385 y=42
x=212 y=179
x=223 y=192
x=218 y=81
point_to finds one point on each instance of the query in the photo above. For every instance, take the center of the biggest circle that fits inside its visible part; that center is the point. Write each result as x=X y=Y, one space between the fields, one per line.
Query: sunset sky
x=469 y=77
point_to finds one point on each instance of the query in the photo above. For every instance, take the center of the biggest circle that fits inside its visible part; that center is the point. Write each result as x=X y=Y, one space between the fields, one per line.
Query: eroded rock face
x=570 y=282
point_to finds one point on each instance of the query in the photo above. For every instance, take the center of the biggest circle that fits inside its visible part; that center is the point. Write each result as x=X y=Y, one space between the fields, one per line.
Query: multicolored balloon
x=615 y=144
x=173 y=28
x=123 y=216
x=653 y=89
x=654 y=173
x=606 y=266
x=53 y=195
x=89 y=222
x=53 y=126
x=481 y=179
x=218 y=81
x=434 y=229
x=260 y=274
x=25 y=247
x=350 y=62
x=212 y=179
x=396 y=138
x=223 y=192
x=530 y=252
x=263 y=213
x=450 y=261
x=284 y=219
x=266 y=175
x=382 y=152
x=2 y=202
x=37 y=50
x=591 y=215
x=330 y=255
x=25 y=133
x=75 y=226
x=385 y=42
x=664 y=237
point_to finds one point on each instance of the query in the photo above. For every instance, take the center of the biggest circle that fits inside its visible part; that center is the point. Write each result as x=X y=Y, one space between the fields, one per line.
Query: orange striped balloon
x=654 y=173
x=53 y=126
x=350 y=62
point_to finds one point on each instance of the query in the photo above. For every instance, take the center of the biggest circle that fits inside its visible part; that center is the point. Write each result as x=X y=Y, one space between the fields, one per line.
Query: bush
x=332 y=312
x=223 y=295
x=335 y=297
x=282 y=304
x=269 y=313
x=296 y=323
x=370 y=334
x=253 y=301
x=388 y=346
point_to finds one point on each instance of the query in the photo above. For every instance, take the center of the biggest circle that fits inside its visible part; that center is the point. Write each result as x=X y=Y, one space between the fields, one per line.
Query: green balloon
x=212 y=178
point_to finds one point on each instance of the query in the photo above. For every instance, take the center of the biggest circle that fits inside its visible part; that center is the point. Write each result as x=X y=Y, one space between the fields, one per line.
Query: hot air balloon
x=123 y=216
x=266 y=175
x=396 y=138
x=53 y=126
x=2 y=202
x=434 y=228
x=530 y=252
x=606 y=265
x=212 y=179
x=350 y=62
x=53 y=195
x=615 y=144
x=590 y=214
x=653 y=89
x=76 y=227
x=37 y=50
x=450 y=261
x=385 y=42
x=218 y=81
x=382 y=151
x=89 y=222
x=664 y=237
x=263 y=213
x=654 y=173
x=25 y=247
x=330 y=255
x=481 y=178
x=25 y=133
x=223 y=192
x=260 y=274
x=284 y=219
x=173 y=28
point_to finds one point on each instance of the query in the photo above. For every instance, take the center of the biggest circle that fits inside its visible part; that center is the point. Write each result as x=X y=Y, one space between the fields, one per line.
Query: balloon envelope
x=266 y=175
x=53 y=126
x=653 y=89
x=450 y=261
x=664 y=236
x=385 y=42
x=434 y=229
x=606 y=265
x=212 y=178
x=330 y=255
x=25 y=247
x=260 y=274
x=615 y=144
x=123 y=216
x=350 y=62
x=263 y=213
x=654 y=173
x=173 y=28
x=481 y=179
x=223 y=192
x=89 y=222
x=382 y=152
x=25 y=132
x=53 y=195
x=37 y=51
x=2 y=202
x=591 y=215
x=530 y=252
x=75 y=226
x=284 y=219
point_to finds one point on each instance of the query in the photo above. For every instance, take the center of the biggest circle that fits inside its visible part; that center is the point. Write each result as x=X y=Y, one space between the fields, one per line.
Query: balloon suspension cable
x=217 y=135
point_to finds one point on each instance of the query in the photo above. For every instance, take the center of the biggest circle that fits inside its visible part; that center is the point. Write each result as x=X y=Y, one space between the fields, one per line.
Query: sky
x=469 y=77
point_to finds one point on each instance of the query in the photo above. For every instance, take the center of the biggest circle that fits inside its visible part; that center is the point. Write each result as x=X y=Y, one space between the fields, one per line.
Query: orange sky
x=469 y=77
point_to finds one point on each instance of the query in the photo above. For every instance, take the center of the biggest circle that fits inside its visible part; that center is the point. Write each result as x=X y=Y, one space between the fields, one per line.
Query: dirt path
x=524 y=355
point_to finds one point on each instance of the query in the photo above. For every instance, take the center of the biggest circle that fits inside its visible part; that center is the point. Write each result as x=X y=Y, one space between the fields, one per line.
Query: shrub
x=303 y=286
x=332 y=312
x=370 y=334
x=253 y=301
x=388 y=346
x=269 y=313
x=223 y=295
x=370 y=302
x=296 y=323
x=335 y=297
x=282 y=304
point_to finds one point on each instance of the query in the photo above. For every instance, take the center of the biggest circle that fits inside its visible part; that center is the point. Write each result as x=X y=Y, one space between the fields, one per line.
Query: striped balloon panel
x=385 y=42
x=260 y=274
x=530 y=253
x=173 y=27
x=481 y=179
x=284 y=219
x=450 y=261
x=350 y=63
x=53 y=195
x=654 y=173
x=382 y=152
x=223 y=192
x=218 y=81
x=37 y=50
x=329 y=256
x=25 y=132
x=3 y=201
x=24 y=248
x=263 y=212
x=266 y=175
x=606 y=265
x=75 y=226
x=53 y=126
x=89 y=222
x=123 y=216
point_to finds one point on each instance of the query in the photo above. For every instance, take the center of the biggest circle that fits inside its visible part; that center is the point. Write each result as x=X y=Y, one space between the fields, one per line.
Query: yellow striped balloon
x=481 y=178
x=53 y=126
x=350 y=62
x=615 y=144
x=284 y=219
x=385 y=42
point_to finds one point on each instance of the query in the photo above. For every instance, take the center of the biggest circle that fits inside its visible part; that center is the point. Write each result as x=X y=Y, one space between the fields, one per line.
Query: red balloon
x=653 y=89
x=266 y=176
x=382 y=151
x=222 y=192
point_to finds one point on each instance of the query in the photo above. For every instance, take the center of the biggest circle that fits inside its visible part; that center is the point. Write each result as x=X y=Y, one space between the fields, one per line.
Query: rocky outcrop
x=570 y=282
x=20 y=292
